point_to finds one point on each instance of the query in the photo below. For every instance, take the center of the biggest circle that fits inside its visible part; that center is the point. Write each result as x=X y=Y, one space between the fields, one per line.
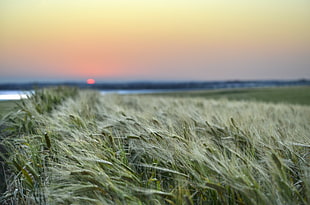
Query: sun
x=90 y=81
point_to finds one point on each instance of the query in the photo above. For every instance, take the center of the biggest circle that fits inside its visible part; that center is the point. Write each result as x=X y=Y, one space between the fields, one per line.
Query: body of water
x=17 y=94
x=15 y=91
x=13 y=94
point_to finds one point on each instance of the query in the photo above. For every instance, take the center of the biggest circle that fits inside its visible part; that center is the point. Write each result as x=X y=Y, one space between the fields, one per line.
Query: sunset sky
x=154 y=39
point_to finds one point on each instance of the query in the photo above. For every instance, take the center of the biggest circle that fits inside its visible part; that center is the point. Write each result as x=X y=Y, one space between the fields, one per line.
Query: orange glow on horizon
x=140 y=40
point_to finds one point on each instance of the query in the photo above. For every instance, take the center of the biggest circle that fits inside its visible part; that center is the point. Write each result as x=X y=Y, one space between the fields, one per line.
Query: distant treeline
x=193 y=85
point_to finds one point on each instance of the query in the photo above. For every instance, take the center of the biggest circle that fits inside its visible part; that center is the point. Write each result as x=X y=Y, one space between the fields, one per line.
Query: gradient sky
x=154 y=39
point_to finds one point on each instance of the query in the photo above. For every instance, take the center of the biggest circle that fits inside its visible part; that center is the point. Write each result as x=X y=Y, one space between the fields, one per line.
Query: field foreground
x=66 y=146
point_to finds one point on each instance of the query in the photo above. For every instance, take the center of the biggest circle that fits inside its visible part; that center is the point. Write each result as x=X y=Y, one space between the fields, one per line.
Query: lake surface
x=15 y=91
x=17 y=94
x=13 y=94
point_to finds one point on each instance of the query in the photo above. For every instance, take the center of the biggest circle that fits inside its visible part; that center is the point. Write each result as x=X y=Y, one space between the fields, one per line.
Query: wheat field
x=69 y=146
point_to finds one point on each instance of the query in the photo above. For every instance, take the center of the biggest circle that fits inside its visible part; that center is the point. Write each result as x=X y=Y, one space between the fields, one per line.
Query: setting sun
x=154 y=40
x=90 y=81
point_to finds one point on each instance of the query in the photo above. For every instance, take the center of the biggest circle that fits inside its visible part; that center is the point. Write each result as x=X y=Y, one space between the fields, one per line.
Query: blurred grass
x=291 y=95
x=67 y=146
x=7 y=106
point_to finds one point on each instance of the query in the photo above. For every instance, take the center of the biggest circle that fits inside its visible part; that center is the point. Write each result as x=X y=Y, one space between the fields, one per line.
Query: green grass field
x=69 y=146
x=7 y=106
x=291 y=95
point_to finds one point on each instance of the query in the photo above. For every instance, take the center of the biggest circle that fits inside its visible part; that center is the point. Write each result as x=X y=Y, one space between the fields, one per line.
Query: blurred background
x=87 y=42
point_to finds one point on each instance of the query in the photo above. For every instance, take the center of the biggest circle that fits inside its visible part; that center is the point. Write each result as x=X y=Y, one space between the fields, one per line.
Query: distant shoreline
x=294 y=94
x=185 y=85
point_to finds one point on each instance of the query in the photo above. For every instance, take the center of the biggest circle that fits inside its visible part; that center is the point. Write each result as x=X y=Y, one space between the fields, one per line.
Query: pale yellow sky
x=155 y=39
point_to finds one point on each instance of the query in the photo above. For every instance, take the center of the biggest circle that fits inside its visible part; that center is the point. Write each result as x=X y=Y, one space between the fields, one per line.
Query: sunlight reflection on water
x=17 y=94
x=13 y=94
